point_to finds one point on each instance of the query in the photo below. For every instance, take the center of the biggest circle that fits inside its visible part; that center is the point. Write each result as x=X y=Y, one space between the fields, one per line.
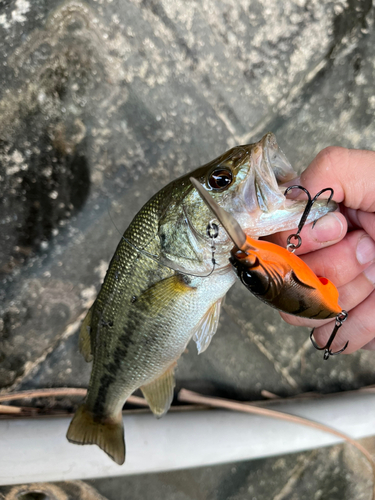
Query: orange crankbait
x=277 y=276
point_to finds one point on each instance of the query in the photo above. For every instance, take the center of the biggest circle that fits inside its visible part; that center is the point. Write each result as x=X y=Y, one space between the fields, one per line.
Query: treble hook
x=340 y=318
x=292 y=247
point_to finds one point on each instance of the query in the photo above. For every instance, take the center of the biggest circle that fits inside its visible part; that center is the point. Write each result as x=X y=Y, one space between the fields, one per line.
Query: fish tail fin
x=107 y=433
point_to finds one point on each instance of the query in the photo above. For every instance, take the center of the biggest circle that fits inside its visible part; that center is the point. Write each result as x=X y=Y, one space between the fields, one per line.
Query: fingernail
x=293 y=193
x=365 y=250
x=370 y=273
x=328 y=228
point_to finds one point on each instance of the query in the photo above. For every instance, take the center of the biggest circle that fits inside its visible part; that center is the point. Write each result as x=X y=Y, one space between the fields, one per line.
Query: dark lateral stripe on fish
x=112 y=368
x=105 y=381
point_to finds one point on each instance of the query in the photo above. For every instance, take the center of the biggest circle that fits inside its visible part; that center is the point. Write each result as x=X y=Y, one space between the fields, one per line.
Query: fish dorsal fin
x=207 y=326
x=159 y=393
x=159 y=296
x=85 y=347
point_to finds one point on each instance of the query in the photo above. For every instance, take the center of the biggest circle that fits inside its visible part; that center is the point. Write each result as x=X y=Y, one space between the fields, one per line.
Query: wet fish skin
x=156 y=294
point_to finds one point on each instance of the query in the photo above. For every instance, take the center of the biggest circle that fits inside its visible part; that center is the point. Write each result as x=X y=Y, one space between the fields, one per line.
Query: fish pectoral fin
x=85 y=347
x=207 y=326
x=160 y=295
x=107 y=433
x=159 y=393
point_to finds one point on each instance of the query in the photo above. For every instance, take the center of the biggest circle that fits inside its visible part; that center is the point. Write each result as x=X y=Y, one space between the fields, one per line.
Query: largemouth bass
x=162 y=289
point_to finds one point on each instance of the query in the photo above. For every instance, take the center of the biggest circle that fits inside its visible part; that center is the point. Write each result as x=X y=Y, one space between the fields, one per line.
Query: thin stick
x=193 y=397
x=10 y=410
x=59 y=392
x=43 y=393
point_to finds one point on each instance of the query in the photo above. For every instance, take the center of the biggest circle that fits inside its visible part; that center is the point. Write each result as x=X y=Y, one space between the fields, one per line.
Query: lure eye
x=220 y=178
x=255 y=282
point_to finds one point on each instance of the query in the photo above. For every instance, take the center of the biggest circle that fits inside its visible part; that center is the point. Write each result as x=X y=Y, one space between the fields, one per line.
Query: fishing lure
x=277 y=276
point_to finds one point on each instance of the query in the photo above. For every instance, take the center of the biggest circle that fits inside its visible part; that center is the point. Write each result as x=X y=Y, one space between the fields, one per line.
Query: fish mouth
x=265 y=208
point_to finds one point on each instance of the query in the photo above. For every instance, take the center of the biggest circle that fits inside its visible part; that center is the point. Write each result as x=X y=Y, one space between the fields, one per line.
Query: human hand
x=341 y=245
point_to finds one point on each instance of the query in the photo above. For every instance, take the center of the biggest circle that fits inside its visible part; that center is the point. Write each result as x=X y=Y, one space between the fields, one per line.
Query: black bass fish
x=162 y=288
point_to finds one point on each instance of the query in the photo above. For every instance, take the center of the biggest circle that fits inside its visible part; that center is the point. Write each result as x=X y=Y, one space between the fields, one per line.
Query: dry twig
x=59 y=392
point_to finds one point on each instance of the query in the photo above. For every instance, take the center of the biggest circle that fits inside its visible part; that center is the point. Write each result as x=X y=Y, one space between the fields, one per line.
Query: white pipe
x=36 y=450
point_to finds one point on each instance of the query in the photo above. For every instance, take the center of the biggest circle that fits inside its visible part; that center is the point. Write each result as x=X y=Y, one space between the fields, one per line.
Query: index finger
x=349 y=172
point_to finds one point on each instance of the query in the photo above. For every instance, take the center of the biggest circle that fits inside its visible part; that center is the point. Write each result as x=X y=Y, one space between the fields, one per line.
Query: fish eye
x=255 y=282
x=220 y=178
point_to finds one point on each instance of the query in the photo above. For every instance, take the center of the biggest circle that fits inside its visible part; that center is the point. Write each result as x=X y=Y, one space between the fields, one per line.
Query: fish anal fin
x=106 y=433
x=85 y=347
x=159 y=296
x=207 y=326
x=159 y=393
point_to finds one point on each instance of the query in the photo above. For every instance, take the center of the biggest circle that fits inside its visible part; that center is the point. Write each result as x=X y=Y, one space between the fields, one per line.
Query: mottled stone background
x=105 y=101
